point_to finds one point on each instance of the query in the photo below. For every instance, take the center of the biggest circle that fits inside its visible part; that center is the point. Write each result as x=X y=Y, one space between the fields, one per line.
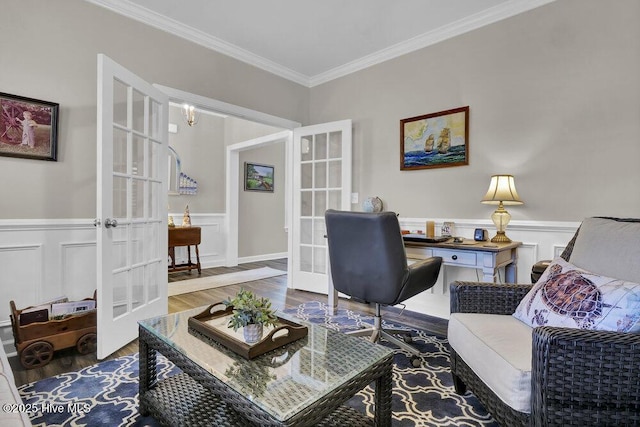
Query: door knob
x=108 y=223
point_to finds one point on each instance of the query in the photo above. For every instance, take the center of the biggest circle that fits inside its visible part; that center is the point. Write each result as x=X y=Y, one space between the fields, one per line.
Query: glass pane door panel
x=120 y=103
x=306 y=231
x=153 y=208
x=306 y=148
x=138 y=111
x=335 y=174
x=320 y=175
x=152 y=281
x=306 y=175
x=306 y=258
x=154 y=119
x=320 y=147
x=137 y=243
x=153 y=160
x=306 y=203
x=119 y=197
x=319 y=260
x=120 y=293
x=137 y=287
x=335 y=199
x=319 y=231
x=137 y=161
x=119 y=247
x=153 y=246
x=137 y=198
x=335 y=145
x=320 y=203
x=119 y=150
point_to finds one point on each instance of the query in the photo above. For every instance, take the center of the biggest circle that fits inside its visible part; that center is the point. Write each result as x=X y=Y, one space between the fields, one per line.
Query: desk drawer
x=454 y=257
x=418 y=253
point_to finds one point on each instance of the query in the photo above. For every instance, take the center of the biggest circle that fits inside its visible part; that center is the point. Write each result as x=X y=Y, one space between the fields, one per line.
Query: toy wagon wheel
x=36 y=354
x=87 y=343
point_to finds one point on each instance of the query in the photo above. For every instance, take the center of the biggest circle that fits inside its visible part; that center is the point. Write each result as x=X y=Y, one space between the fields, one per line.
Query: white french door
x=131 y=204
x=321 y=181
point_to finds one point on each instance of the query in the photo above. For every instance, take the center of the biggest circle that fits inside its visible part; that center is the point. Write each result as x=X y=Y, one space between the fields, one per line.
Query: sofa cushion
x=498 y=349
x=608 y=247
x=567 y=296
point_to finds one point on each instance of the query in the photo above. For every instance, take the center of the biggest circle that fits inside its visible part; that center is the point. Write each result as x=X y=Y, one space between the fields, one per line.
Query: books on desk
x=422 y=238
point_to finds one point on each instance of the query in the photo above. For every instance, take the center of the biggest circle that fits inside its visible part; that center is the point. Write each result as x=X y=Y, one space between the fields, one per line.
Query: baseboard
x=265 y=257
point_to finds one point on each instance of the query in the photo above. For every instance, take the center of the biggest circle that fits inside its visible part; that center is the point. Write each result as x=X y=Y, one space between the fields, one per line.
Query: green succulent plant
x=250 y=309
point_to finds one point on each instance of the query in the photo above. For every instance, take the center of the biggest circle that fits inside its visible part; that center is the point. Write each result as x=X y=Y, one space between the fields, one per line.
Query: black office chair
x=368 y=263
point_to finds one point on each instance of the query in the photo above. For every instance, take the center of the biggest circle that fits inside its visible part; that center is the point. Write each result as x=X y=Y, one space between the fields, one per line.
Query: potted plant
x=251 y=313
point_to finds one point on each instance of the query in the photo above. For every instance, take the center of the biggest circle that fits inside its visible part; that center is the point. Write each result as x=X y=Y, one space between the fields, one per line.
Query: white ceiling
x=314 y=41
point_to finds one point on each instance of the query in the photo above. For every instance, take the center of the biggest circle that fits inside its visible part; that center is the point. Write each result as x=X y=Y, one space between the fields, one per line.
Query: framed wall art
x=435 y=140
x=258 y=177
x=28 y=128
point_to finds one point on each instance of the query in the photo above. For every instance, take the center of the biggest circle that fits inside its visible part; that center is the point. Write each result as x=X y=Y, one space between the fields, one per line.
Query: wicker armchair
x=578 y=377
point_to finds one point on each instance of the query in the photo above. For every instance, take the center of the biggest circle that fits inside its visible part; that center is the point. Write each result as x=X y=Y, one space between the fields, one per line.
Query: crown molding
x=470 y=23
x=161 y=22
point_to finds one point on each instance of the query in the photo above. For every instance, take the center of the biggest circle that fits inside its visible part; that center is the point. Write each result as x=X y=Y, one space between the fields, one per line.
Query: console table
x=184 y=236
x=485 y=256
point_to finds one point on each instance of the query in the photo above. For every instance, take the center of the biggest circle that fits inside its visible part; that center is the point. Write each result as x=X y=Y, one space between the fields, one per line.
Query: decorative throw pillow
x=570 y=297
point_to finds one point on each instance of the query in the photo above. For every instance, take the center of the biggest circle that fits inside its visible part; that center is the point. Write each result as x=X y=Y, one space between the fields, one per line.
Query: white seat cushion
x=498 y=349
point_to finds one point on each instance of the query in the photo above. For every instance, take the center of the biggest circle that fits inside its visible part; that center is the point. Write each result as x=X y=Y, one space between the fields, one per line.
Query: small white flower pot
x=252 y=333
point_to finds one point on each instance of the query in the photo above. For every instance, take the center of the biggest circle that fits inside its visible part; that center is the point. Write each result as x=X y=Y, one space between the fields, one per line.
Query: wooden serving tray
x=212 y=323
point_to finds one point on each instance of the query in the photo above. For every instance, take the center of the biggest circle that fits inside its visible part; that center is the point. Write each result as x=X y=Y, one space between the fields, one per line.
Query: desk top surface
x=420 y=240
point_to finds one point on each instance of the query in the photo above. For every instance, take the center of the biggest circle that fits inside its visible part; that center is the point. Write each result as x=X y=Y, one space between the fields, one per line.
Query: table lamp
x=502 y=191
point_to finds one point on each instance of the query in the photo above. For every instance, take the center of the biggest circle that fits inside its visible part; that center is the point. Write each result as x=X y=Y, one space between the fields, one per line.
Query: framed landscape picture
x=258 y=177
x=28 y=127
x=435 y=140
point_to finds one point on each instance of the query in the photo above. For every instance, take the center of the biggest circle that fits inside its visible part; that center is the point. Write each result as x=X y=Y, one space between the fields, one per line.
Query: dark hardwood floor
x=274 y=288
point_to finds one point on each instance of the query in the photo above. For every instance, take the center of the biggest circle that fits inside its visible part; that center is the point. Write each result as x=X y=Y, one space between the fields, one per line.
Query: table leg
x=189 y=258
x=198 y=260
x=384 y=393
x=147 y=369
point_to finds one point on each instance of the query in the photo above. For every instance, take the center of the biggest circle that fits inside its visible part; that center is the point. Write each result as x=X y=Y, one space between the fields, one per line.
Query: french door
x=321 y=181
x=131 y=204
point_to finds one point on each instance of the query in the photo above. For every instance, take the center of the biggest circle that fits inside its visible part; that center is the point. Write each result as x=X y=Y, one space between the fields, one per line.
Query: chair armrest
x=582 y=377
x=489 y=298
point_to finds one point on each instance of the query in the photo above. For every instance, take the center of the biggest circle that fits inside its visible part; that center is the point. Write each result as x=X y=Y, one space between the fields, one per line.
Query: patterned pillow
x=570 y=297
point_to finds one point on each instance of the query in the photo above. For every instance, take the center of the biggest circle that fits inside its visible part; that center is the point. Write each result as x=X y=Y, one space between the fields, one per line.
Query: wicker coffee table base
x=197 y=398
x=182 y=401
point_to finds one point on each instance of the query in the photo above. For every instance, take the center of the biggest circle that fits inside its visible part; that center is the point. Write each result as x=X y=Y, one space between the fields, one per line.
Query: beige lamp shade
x=502 y=191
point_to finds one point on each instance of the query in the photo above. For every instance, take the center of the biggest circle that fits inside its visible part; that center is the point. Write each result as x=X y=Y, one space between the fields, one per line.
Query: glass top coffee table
x=303 y=383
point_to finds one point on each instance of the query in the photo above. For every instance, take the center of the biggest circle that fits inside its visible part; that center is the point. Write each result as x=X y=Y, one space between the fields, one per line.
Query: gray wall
x=554 y=98
x=49 y=52
x=201 y=149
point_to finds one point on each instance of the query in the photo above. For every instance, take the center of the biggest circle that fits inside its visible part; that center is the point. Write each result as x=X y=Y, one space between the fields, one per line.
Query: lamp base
x=501 y=237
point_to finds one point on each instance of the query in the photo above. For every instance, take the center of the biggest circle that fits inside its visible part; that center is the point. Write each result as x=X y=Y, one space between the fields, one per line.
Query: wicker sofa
x=544 y=375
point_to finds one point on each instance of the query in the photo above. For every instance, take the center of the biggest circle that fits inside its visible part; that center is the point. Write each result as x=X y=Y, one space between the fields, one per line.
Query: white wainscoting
x=540 y=240
x=43 y=259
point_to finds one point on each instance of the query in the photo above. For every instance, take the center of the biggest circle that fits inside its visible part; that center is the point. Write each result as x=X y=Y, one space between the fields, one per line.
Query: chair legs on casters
x=377 y=333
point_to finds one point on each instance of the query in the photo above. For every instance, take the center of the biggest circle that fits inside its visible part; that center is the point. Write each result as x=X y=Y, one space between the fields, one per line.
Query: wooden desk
x=184 y=236
x=486 y=256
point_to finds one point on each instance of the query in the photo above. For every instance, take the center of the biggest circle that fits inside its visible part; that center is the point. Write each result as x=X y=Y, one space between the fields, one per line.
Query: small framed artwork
x=258 y=177
x=435 y=140
x=28 y=128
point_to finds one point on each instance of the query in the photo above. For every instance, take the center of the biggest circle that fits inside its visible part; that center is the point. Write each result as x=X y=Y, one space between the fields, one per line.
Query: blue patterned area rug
x=106 y=394
x=422 y=397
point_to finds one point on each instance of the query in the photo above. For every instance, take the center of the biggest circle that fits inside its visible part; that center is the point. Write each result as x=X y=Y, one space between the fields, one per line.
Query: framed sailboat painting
x=435 y=140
